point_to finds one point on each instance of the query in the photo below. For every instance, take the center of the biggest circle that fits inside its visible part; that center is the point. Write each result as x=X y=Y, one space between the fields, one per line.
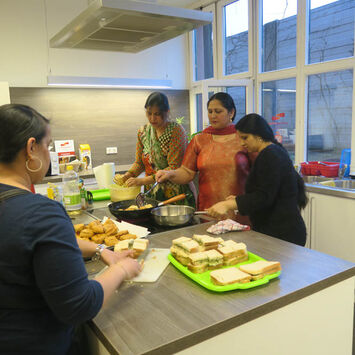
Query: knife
x=142 y=256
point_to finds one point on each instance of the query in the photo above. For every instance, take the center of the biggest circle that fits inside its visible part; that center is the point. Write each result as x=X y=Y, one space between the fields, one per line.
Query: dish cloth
x=227 y=225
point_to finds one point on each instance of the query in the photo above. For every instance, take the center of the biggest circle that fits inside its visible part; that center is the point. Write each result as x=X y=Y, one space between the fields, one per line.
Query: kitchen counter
x=307 y=310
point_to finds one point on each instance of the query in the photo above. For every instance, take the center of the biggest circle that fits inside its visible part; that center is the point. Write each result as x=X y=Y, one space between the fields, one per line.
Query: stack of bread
x=203 y=252
x=102 y=233
x=137 y=245
x=245 y=273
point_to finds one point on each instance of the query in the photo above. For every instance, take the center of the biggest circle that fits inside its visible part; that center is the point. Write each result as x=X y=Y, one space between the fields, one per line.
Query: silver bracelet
x=99 y=249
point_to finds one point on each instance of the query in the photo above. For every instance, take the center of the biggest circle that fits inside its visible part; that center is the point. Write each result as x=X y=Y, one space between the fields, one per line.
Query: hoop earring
x=34 y=170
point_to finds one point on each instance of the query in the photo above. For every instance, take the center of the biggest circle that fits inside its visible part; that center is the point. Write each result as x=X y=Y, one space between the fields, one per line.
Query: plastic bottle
x=71 y=192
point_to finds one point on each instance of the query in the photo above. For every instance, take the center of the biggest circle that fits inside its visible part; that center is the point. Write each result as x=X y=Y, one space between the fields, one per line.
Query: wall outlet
x=111 y=150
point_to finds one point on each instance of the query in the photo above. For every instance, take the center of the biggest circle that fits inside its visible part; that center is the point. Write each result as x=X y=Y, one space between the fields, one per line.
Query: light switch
x=111 y=150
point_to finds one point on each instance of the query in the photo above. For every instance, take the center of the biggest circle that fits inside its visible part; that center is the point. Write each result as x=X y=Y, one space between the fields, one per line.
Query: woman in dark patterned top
x=161 y=145
x=274 y=191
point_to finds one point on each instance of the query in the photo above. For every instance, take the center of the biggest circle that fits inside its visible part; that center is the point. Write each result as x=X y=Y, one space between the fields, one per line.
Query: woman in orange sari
x=217 y=155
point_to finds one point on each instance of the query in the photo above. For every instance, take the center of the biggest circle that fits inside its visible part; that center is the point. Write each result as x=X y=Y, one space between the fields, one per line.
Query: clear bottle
x=71 y=192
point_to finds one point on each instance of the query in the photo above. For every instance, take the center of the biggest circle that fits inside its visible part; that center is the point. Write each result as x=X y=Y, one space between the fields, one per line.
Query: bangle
x=153 y=176
x=99 y=249
x=124 y=270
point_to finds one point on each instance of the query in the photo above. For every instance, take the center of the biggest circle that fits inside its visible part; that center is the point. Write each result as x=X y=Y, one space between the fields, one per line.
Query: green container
x=204 y=279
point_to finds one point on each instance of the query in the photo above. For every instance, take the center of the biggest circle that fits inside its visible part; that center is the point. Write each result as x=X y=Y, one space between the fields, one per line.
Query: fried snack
x=86 y=233
x=111 y=241
x=127 y=236
x=108 y=221
x=98 y=229
x=124 y=231
x=99 y=238
x=79 y=227
x=110 y=229
x=93 y=223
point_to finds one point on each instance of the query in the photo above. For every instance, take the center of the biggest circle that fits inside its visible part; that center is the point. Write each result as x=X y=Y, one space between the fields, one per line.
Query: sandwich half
x=206 y=242
x=215 y=259
x=198 y=262
x=229 y=276
x=260 y=268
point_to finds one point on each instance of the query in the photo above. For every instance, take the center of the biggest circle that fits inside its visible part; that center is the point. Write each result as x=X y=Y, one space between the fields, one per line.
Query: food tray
x=204 y=279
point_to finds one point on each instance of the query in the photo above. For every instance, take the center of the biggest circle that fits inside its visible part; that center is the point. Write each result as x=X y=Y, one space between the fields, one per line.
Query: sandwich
x=206 y=242
x=260 y=268
x=198 y=262
x=139 y=246
x=229 y=276
x=233 y=253
x=180 y=240
x=215 y=259
x=123 y=245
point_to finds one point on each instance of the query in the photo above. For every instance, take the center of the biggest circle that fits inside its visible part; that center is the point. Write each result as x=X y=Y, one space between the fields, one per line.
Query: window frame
x=301 y=71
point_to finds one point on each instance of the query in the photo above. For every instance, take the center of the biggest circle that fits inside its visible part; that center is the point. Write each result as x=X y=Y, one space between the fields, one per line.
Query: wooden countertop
x=175 y=312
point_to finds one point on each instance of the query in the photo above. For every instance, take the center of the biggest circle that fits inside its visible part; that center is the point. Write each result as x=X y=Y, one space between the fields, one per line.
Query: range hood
x=127 y=26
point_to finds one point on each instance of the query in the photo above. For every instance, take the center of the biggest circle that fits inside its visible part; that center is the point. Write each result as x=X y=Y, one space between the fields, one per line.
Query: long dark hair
x=158 y=99
x=226 y=100
x=258 y=126
x=18 y=123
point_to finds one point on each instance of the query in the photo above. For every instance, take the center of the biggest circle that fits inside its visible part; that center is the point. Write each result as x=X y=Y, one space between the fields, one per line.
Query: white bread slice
x=205 y=240
x=229 y=276
x=235 y=260
x=190 y=246
x=197 y=269
x=200 y=258
x=261 y=267
x=122 y=245
x=140 y=245
x=180 y=240
x=239 y=248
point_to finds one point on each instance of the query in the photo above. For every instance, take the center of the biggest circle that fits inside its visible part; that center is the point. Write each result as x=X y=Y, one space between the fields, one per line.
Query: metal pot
x=172 y=215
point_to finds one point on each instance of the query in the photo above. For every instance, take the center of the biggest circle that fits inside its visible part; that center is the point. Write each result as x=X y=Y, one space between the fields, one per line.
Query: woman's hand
x=110 y=257
x=135 y=182
x=130 y=266
x=220 y=209
x=163 y=175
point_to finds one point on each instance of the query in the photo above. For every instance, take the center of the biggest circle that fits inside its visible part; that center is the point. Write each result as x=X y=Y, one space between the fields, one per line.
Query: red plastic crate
x=331 y=170
x=310 y=168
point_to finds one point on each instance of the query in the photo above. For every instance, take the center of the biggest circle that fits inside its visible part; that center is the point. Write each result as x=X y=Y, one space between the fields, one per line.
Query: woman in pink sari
x=217 y=155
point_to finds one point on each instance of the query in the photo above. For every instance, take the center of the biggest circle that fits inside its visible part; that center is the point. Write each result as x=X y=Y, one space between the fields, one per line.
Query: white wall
x=4 y=93
x=27 y=25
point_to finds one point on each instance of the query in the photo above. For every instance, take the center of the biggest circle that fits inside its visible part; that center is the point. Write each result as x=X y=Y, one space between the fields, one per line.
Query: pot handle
x=173 y=199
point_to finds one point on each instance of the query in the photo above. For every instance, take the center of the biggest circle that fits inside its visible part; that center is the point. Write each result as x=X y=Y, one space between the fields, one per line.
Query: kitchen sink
x=316 y=179
x=342 y=184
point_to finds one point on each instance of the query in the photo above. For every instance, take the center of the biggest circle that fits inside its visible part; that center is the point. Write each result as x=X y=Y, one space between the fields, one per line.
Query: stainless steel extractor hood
x=127 y=26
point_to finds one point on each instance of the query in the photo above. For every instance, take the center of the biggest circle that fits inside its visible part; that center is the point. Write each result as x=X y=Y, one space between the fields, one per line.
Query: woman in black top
x=274 y=191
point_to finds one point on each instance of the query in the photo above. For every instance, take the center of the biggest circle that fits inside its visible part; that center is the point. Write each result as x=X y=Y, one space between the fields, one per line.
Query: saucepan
x=174 y=215
x=118 y=209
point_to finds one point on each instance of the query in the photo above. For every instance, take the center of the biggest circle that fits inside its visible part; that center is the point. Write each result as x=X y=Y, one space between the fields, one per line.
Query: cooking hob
x=147 y=222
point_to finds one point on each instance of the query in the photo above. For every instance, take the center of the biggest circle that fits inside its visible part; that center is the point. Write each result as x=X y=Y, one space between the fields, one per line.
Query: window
x=203 y=42
x=199 y=118
x=279 y=109
x=329 y=115
x=331 y=30
x=235 y=18
x=279 y=28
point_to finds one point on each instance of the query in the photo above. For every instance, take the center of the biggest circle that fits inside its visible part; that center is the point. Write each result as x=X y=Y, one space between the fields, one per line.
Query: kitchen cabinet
x=330 y=222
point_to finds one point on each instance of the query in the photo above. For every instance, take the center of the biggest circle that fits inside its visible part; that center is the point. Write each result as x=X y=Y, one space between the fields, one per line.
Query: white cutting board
x=154 y=264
